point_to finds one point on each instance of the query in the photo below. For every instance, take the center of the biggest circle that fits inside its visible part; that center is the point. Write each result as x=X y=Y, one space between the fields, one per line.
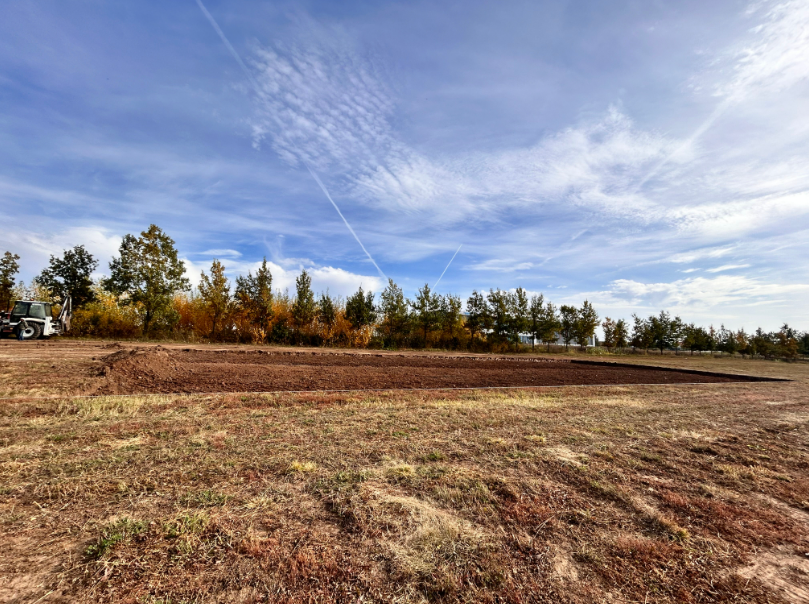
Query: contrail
x=720 y=109
x=323 y=188
x=228 y=45
x=258 y=92
x=446 y=267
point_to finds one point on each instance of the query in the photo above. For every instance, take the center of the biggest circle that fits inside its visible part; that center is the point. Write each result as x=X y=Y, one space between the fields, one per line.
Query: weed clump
x=204 y=499
x=301 y=467
x=186 y=524
x=113 y=534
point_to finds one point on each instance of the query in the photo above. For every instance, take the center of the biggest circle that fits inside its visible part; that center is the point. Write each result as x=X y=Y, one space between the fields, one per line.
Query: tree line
x=664 y=332
x=148 y=295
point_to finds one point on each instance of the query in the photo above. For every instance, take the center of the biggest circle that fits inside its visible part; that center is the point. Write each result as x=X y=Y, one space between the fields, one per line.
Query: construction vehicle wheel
x=33 y=331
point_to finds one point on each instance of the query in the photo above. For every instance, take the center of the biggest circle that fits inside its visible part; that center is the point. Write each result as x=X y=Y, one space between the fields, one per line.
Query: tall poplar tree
x=215 y=292
x=586 y=323
x=550 y=325
x=426 y=306
x=304 y=309
x=520 y=319
x=254 y=295
x=501 y=308
x=326 y=315
x=621 y=338
x=478 y=315
x=535 y=318
x=360 y=309
x=569 y=316
x=395 y=317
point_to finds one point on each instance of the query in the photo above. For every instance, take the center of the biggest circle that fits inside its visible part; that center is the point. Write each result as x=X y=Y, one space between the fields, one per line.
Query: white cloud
x=694 y=255
x=35 y=248
x=736 y=218
x=697 y=294
x=337 y=281
x=726 y=267
x=500 y=266
x=221 y=253
x=343 y=283
x=775 y=57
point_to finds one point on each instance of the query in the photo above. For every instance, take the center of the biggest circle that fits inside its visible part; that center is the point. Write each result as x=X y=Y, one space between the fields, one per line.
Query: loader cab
x=38 y=316
x=24 y=309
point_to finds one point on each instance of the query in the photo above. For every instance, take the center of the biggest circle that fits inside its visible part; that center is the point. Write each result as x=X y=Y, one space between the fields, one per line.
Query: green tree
x=360 y=309
x=785 y=343
x=550 y=324
x=608 y=327
x=586 y=323
x=395 y=317
x=450 y=320
x=304 y=310
x=147 y=273
x=535 y=318
x=569 y=317
x=70 y=274
x=501 y=307
x=478 y=315
x=520 y=316
x=215 y=293
x=641 y=333
x=694 y=338
x=788 y=332
x=9 y=267
x=326 y=314
x=760 y=343
x=803 y=343
x=621 y=336
x=254 y=296
x=427 y=307
x=664 y=330
x=727 y=341
x=742 y=342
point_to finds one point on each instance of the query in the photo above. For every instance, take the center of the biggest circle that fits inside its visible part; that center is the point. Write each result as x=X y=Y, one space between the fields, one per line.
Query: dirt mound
x=158 y=369
x=126 y=370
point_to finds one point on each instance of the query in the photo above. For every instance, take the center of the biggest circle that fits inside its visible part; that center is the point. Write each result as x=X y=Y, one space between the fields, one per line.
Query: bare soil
x=163 y=370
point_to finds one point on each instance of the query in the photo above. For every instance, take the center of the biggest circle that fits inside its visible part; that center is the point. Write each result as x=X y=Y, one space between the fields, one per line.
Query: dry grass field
x=662 y=493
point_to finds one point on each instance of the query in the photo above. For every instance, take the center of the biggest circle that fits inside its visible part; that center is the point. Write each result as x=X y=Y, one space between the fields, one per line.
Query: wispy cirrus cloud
x=696 y=293
x=774 y=58
x=726 y=267
x=328 y=106
x=694 y=255
x=221 y=253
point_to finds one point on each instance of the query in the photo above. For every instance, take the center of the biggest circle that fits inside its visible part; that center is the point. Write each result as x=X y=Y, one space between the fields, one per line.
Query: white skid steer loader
x=39 y=318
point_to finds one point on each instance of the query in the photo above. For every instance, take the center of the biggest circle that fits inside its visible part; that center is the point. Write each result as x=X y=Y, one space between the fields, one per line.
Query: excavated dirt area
x=163 y=370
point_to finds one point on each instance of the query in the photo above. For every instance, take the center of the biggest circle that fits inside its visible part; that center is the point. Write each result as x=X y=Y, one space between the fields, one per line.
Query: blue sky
x=643 y=155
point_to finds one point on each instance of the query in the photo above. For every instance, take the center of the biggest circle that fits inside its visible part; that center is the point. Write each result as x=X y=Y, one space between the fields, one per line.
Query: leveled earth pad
x=189 y=370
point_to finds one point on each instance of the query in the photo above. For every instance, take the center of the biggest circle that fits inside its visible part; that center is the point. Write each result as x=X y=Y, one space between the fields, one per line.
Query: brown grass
x=619 y=494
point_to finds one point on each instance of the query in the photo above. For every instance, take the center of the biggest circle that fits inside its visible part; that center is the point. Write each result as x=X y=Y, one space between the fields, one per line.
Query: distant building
x=526 y=338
